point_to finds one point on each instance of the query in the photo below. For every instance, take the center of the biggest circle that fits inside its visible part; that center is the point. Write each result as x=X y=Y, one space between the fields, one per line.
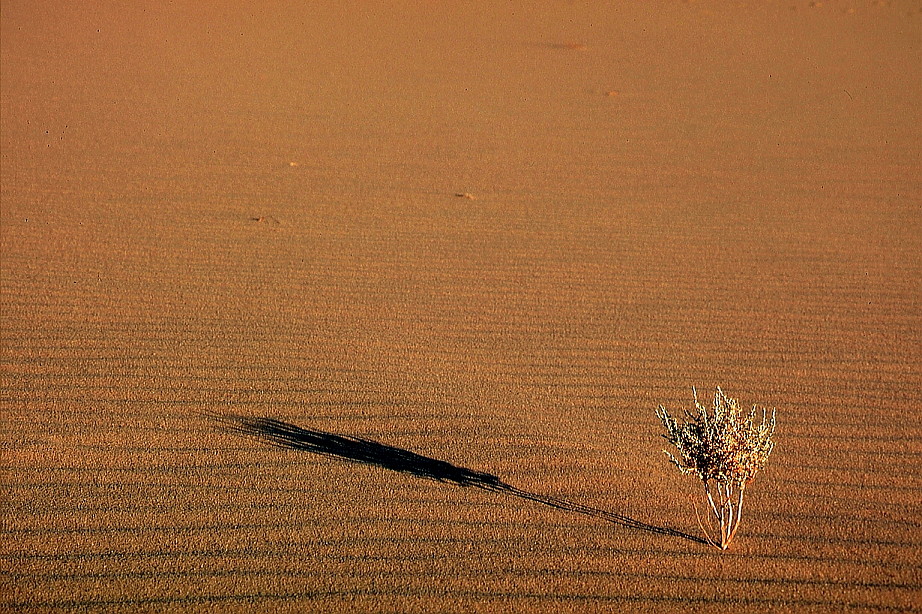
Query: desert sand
x=491 y=237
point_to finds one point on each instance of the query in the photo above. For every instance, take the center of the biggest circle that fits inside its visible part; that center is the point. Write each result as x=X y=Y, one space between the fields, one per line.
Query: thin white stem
x=717 y=511
x=707 y=491
x=730 y=514
x=701 y=525
x=739 y=510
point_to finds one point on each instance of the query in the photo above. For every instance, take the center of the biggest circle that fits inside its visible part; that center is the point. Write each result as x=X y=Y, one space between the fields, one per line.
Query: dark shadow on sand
x=369 y=452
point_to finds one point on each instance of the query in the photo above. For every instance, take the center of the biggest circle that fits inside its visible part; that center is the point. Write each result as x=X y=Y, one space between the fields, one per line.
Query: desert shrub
x=725 y=449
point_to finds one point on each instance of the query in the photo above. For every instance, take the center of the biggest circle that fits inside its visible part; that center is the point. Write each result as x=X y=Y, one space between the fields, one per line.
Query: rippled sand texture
x=457 y=253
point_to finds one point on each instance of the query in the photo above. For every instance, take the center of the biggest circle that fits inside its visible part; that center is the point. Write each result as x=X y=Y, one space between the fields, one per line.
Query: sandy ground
x=495 y=235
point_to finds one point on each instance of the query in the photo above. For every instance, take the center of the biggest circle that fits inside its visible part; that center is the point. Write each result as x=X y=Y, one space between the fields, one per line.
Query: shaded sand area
x=456 y=254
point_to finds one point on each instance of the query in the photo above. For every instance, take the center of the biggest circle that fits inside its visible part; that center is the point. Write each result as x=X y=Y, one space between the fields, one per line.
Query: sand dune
x=436 y=230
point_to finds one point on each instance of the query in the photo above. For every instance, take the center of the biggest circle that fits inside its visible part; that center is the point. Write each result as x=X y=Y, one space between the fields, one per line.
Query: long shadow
x=369 y=452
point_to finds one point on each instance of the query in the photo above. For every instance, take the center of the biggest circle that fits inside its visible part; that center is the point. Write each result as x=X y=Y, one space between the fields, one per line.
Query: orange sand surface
x=491 y=237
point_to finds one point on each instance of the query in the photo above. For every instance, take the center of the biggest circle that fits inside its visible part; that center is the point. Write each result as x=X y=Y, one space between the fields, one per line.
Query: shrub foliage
x=725 y=449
